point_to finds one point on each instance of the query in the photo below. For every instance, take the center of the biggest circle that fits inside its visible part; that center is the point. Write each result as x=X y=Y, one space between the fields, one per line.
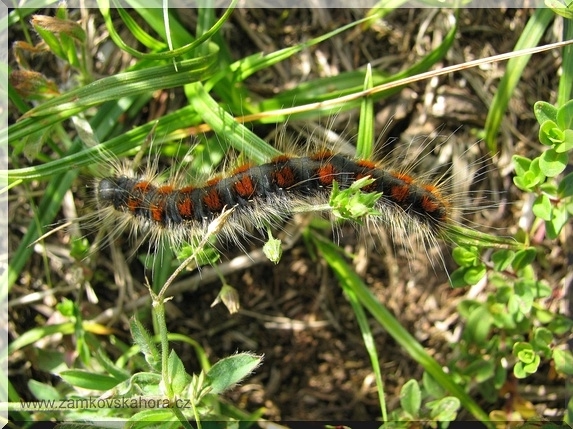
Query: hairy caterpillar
x=266 y=195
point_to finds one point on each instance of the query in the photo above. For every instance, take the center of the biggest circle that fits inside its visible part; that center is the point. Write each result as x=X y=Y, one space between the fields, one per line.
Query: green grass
x=213 y=84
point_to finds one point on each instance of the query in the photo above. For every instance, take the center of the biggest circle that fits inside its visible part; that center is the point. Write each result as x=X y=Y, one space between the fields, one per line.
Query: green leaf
x=480 y=369
x=88 y=380
x=529 y=173
x=525 y=183
x=457 y=278
x=518 y=370
x=552 y=163
x=141 y=383
x=565 y=113
x=411 y=398
x=557 y=222
x=445 y=409
x=565 y=188
x=231 y=370
x=35 y=334
x=466 y=257
x=521 y=164
x=239 y=136
x=125 y=84
x=432 y=386
x=501 y=316
x=147 y=418
x=544 y=112
x=207 y=255
x=467 y=306
x=474 y=274
x=544 y=316
x=524 y=289
x=43 y=391
x=528 y=359
x=549 y=188
x=541 y=289
x=523 y=258
x=145 y=342
x=502 y=259
x=550 y=134
x=49 y=37
x=531 y=367
x=542 y=207
x=560 y=325
x=500 y=376
x=563 y=361
x=560 y=9
x=478 y=326
x=566 y=143
x=542 y=338
x=178 y=377
x=524 y=352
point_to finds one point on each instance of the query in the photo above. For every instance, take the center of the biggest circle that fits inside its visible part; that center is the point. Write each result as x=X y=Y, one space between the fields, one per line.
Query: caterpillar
x=266 y=195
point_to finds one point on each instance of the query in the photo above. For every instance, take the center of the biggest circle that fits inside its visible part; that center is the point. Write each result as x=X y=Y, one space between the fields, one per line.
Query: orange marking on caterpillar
x=430 y=205
x=244 y=187
x=284 y=177
x=133 y=204
x=157 y=211
x=213 y=201
x=400 y=193
x=326 y=174
x=185 y=207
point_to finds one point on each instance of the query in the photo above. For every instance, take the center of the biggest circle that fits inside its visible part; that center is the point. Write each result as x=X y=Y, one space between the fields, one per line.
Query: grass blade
x=531 y=35
x=351 y=280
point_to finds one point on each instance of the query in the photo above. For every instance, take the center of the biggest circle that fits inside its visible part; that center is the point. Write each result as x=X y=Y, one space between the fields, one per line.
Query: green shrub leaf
x=502 y=259
x=550 y=134
x=565 y=115
x=475 y=274
x=445 y=409
x=544 y=112
x=566 y=144
x=177 y=375
x=523 y=258
x=563 y=361
x=565 y=188
x=411 y=398
x=466 y=257
x=542 y=207
x=88 y=380
x=231 y=370
x=552 y=163
x=557 y=222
